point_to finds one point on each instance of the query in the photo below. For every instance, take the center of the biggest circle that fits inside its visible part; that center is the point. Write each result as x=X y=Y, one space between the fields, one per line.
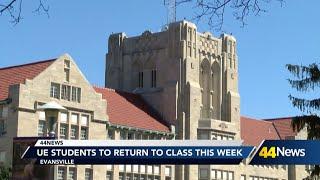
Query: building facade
x=191 y=79
x=173 y=84
x=24 y=88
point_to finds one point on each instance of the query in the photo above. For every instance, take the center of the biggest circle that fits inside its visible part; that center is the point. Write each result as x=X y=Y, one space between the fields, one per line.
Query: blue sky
x=288 y=34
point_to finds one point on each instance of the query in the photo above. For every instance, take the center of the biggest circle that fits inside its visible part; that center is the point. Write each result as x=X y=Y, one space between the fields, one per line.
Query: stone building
x=92 y=113
x=177 y=83
x=191 y=79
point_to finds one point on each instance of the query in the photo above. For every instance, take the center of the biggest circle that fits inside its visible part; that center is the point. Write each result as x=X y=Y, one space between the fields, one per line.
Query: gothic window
x=140 y=79
x=150 y=76
x=153 y=78
x=205 y=73
x=215 y=84
x=136 y=75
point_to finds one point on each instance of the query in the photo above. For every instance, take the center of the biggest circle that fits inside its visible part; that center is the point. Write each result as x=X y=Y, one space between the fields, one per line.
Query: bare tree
x=214 y=11
x=13 y=9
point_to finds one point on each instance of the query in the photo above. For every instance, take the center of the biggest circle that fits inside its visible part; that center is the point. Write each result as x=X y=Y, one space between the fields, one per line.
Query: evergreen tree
x=4 y=173
x=306 y=80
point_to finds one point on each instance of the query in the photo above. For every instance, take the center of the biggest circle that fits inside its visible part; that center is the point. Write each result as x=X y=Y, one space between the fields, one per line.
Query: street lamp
x=51 y=110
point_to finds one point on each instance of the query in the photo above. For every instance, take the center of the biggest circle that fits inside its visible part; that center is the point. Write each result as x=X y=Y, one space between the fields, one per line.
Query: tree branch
x=214 y=11
x=13 y=9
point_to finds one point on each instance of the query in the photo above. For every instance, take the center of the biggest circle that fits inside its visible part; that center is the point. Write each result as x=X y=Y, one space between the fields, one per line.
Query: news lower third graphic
x=137 y=151
x=54 y=152
x=288 y=152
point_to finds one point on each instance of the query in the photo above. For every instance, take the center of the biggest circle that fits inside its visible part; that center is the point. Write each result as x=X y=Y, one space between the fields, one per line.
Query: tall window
x=61 y=173
x=63 y=131
x=121 y=176
x=141 y=79
x=88 y=174
x=130 y=135
x=65 y=92
x=2 y=156
x=72 y=174
x=109 y=175
x=153 y=78
x=168 y=172
x=67 y=75
x=84 y=133
x=76 y=94
x=136 y=177
x=110 y=134
x=243 y=177
x=74 y=132
x=3 y=127
x=1 y=111
x=67 y=70
x=205 y=88
x=123 y=135
x=55 y=90
x=41 y=128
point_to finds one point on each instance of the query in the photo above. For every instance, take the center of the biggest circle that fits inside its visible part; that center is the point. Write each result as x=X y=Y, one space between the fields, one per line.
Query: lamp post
x=51 y=110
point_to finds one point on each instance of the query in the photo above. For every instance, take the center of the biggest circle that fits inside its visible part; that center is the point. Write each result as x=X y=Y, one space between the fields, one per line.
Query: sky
x=284 y=34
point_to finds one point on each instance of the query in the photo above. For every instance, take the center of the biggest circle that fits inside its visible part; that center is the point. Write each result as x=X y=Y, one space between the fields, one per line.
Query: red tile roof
x=283 y=126
x=18 y=74
x=254 y=131
x=128 y=109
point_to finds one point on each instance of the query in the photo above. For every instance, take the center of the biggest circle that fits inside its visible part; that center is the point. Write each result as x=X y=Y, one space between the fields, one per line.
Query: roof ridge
x=27 y=64
x=259 y=120
x=105 y=88
x=280 y=118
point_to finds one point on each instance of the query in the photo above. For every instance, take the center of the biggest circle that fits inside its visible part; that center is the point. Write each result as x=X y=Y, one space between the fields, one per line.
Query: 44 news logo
x=273 y=152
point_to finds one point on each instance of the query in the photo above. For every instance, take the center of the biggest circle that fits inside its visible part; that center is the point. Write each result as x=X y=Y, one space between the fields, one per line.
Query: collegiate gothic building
x=174 y=84
x=191 y=80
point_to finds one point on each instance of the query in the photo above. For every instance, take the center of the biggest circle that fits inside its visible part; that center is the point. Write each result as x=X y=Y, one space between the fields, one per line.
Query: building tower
x=190 y=78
